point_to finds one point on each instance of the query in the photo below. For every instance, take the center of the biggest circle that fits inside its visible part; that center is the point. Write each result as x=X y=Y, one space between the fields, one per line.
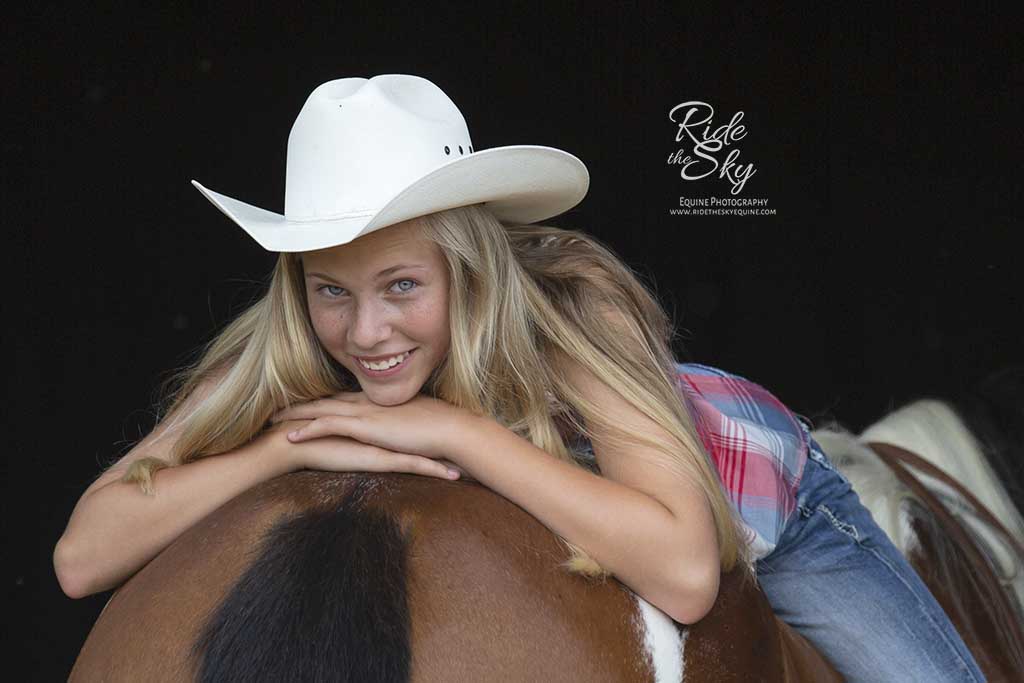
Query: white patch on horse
x=907 y=542
x=664 y=642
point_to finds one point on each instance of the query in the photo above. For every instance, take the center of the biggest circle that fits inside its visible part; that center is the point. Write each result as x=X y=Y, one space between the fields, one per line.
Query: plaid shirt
x=758 y=445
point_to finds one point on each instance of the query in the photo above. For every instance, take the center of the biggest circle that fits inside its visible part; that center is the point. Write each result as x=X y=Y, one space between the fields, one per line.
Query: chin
x=389 y=396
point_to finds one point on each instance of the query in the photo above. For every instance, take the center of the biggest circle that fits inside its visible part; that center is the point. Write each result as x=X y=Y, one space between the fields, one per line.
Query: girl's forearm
x=117 y=528
x=628 y=532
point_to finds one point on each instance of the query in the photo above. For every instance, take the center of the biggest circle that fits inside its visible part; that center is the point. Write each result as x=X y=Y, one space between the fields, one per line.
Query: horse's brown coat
x=486 y=596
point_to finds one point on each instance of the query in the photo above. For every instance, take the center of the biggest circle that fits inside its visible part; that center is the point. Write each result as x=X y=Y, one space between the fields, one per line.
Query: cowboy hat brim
x=517 y=183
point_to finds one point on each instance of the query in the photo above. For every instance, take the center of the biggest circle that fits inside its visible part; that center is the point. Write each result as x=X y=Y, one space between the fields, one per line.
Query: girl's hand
x=342 y=454
x=422 y=426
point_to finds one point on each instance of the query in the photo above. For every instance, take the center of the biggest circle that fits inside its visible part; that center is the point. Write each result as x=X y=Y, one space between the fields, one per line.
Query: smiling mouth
x=377 y=367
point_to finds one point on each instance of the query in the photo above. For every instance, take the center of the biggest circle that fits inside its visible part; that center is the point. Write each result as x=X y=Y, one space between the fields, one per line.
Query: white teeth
x=384 y=364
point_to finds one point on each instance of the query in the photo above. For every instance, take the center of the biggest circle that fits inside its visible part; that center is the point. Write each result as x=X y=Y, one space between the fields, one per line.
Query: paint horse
x=318 y=576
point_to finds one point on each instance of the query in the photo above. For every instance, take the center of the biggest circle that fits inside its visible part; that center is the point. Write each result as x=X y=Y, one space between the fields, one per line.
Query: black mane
x=320 y=603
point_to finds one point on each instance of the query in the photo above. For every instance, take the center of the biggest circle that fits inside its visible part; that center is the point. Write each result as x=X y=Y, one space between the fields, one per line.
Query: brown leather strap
x=997 y=641
x=917 y=462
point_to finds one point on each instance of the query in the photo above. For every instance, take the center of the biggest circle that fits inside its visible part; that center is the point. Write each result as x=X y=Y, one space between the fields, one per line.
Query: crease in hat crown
x=358 y=142
x=367 y=153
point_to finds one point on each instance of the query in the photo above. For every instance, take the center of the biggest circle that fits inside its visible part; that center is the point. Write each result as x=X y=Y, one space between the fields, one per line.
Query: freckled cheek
x=329 y=329
x=432 y=321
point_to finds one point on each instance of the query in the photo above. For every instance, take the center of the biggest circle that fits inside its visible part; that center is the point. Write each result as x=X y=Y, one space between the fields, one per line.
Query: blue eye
x=331 y=296
x=410 y=288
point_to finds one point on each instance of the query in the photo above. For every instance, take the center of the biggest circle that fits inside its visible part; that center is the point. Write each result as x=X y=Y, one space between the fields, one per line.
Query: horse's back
x=395 y=577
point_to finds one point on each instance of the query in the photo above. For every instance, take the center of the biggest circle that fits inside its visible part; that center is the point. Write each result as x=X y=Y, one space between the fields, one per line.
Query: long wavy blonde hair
x=520 y=295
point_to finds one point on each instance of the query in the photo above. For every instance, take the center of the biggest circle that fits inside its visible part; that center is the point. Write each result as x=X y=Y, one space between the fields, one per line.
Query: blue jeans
x=839 y=581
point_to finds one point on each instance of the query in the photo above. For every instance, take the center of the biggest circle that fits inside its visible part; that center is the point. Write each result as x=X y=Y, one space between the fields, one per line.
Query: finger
x=451 y=466
x=327 y=425
x=417 y=464
x=314 y=409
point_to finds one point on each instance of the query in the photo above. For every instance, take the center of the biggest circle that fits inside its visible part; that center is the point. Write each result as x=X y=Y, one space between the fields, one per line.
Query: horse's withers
x=395 y=577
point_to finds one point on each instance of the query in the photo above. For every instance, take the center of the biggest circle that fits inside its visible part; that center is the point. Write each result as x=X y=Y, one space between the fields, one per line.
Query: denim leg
x=839 y=581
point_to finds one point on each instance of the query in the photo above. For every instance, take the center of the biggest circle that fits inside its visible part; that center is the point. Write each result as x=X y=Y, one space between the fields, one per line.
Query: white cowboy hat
x=365 y=154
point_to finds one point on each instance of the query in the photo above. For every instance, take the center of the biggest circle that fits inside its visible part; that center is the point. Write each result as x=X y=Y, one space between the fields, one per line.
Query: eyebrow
x=381 y=274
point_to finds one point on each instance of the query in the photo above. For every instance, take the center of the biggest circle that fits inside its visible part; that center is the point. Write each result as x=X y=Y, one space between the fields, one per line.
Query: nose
x=369 y=326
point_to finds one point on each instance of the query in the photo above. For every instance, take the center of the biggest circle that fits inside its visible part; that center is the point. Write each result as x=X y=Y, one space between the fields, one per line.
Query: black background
x=889 y=147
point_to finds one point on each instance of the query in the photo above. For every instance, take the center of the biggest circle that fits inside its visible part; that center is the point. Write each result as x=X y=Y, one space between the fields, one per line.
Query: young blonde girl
x=527 y=357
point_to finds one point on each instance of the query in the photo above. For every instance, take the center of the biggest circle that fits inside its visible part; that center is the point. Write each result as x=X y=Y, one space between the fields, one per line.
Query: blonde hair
x=520 y=296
